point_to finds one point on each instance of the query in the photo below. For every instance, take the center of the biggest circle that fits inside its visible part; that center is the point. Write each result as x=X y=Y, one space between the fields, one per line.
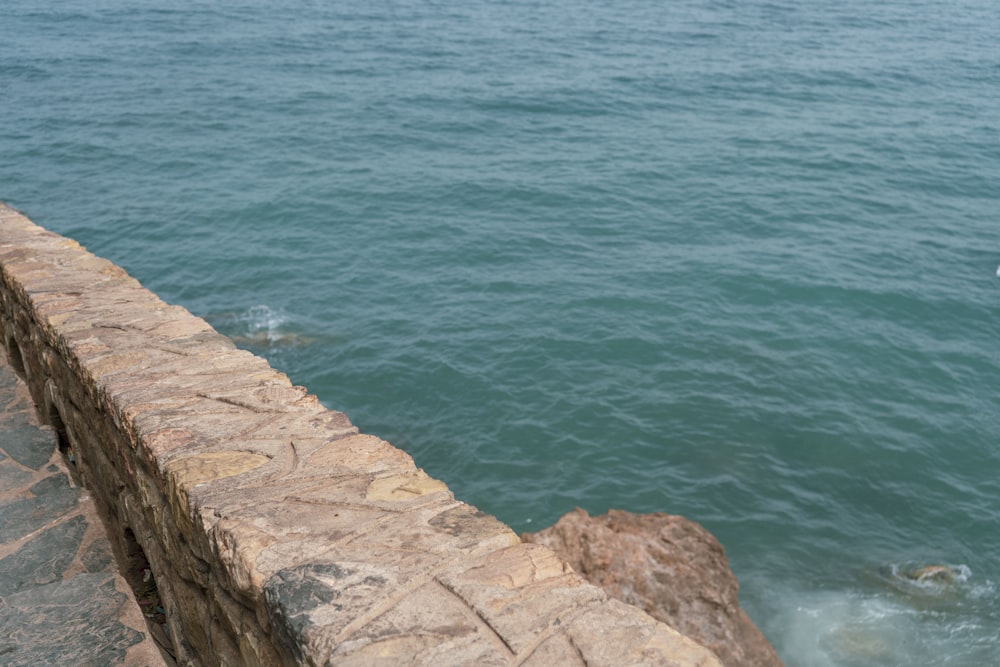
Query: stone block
x=524 y=592
x=35 y=624
x=44 y=558
x=619 y=634
x=46 y=501
x=430 y=626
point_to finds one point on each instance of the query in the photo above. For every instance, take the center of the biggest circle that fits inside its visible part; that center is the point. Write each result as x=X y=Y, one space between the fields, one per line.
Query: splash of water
x=259 y=326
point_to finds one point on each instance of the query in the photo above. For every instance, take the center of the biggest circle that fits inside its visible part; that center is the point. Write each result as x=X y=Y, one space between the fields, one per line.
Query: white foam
x=259 y=326
x=835 y=629
x=262 y=322
x=892 y=619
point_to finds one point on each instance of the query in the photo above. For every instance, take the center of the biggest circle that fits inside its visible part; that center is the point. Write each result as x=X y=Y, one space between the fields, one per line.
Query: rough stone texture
x=668 y=566
x=276 y=532
x=62 y=600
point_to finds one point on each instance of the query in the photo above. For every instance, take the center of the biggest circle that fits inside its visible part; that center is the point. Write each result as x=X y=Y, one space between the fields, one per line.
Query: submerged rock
x=940 y=574
x=670 y=567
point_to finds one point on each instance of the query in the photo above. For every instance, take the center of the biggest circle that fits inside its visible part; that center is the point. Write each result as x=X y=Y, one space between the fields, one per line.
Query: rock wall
x=276 y=532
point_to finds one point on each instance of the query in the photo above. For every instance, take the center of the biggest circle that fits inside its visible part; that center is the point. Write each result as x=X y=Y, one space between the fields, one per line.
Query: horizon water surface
x=731 y=260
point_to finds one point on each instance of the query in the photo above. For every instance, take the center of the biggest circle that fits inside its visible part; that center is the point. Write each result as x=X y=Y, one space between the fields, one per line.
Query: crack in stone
x=247 y=405
x=579 y=653
x=557 y=627
x=479 y=618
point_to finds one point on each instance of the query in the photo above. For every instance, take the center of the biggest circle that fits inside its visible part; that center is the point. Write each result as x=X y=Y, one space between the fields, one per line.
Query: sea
x=734 y=260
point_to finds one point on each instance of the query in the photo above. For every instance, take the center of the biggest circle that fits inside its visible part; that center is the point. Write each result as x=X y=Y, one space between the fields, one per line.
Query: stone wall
x=276 y=532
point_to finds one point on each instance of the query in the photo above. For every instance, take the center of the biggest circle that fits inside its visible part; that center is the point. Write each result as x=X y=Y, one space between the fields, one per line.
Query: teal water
x=731 y=260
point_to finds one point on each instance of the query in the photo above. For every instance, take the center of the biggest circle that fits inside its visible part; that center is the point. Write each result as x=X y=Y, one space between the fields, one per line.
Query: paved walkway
x=62 y=601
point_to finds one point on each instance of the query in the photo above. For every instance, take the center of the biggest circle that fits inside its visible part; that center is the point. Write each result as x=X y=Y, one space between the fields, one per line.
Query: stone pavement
x=62 y=599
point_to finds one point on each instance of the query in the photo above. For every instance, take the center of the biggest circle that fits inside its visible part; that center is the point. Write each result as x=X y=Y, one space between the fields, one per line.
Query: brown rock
x=668 y=566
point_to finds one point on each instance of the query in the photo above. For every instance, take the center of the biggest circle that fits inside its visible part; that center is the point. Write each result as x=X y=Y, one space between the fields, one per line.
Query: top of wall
x=345 y=550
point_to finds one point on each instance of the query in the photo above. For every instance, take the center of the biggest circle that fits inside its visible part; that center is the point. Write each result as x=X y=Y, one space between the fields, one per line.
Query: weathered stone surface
x=430 y=627
x=668 y=566
x=274 y=531
x=44 y=558
x=29 y=445
x=98 y=556
x=44 y=503
x=407 y=486
x=505 y=589
x=618 y=634
x=12 y=476
x=73 y=622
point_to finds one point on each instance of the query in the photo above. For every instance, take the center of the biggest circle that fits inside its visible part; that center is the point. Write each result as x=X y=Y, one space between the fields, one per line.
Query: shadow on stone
x=139 y=575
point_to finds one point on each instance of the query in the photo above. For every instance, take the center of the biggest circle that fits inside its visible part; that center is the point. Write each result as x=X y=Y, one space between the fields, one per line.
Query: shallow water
x=736 y=261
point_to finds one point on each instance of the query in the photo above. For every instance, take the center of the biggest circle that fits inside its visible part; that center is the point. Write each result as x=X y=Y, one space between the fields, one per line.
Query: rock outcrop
x=668 y=566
